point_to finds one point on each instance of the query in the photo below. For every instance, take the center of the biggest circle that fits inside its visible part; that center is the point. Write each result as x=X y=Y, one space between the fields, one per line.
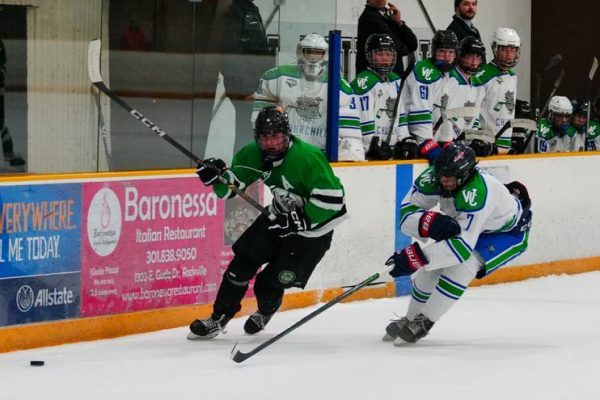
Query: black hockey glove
x=289 y=223
x=211 y=170
x=438 y=226
x=406 y=149
x=483 y=148
x=379 y=150
x=519 y=190
x=410 y=259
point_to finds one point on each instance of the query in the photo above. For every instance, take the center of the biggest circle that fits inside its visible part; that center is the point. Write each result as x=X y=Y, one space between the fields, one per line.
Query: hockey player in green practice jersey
x=500 y=83
x=482 y=224
x=376 y=92
x=308 y=202
x=554 y=134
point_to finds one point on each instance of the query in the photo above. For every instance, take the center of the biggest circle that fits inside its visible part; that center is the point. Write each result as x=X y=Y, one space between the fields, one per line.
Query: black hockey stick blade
x=94 y=50
x=239 y=356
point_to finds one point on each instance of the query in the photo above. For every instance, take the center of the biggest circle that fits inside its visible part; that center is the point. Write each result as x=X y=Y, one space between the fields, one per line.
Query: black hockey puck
x=36 y=363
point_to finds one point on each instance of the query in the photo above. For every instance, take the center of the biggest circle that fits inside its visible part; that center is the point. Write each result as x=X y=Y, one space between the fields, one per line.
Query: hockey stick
x=96 y=78
x=552 y=62
x=555 y=87
x=427 y=17
x=239 y=356
x=458 y=112
x=104 y=132
x=591 y=74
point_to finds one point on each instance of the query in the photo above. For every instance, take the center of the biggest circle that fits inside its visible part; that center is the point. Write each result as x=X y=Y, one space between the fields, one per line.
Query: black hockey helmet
x=443 y=40
x=380 y=42
x=523 y=110
x=270 y=122
x=579 y=107
x=456 y=160
x=471 y=45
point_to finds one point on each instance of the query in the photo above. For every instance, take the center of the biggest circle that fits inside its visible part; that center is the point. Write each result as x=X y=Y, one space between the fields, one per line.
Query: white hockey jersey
x=498 y=104
x=306 y=105
x=375 y=100
x=458 y=92
x=483 y=205
x=421 y=92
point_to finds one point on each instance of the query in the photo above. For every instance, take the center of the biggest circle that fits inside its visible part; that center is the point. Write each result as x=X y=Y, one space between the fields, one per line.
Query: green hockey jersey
x=304 y=174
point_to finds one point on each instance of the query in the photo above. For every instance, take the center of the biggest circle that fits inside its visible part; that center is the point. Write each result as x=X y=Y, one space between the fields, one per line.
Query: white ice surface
x=538 y=339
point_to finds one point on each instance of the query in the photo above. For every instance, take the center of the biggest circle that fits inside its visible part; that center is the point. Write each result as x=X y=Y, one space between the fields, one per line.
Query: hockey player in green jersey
x=301 y=89
x=480 y=226
x=308 y=202
x=498 y=105
x=376 y=93
x=553 y=134
x=424 y=88
x=593 y=133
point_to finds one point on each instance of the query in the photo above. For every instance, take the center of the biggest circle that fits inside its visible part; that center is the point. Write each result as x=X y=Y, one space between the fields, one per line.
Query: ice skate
x=392 y=331
x=203 y=329
x=414 y=330
x=256 y=322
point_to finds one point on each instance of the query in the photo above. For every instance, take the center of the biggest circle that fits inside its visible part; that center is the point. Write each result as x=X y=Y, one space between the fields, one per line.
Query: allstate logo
x=25 y=298
x=104 y=222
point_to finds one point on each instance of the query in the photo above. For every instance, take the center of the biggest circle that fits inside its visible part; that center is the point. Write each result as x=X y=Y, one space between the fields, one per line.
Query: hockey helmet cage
x=312 y=56
x=272 y=133
x=506 y=37
x=379 y=42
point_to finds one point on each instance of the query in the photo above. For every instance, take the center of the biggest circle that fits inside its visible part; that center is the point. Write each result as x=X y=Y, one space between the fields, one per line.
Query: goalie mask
x=272 y=133
x=454 y=167
x=560 y=112
x=506 y=46
x=380 y=50
x=312 y=56
x=446 y=43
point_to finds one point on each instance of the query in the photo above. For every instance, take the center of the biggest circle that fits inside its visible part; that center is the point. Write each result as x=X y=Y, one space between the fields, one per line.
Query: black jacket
x=371 y=21
x=461 y=29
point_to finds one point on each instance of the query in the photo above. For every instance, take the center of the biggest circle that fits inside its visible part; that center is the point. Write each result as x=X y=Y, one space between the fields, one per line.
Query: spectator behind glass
x=133 y=37
x=379 y=16
x=462 y=20
x=13 y=159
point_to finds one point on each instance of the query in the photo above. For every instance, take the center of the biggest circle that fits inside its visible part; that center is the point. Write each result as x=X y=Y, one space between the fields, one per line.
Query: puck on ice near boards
x=36 y=363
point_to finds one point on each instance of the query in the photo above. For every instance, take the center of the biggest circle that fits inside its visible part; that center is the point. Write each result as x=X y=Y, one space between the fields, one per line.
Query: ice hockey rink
x=537 y=339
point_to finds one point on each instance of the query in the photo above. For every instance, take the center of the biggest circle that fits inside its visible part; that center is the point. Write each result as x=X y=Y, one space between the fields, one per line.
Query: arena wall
x=92 y=256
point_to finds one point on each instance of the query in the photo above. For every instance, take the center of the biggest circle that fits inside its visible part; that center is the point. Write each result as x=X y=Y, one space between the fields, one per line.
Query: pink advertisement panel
x=157 y=243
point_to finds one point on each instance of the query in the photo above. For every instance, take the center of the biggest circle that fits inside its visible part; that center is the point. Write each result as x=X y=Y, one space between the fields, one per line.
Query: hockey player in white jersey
x=382 y=122
x=301 y=89
x=500 y=83
x=482 y=224
x=463 y=90
x=552 y=134
x=424 y=88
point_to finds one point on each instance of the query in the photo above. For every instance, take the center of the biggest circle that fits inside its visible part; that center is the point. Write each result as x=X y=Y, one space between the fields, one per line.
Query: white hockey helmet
x=560 y=105
x=509 y=38
x=311 y=52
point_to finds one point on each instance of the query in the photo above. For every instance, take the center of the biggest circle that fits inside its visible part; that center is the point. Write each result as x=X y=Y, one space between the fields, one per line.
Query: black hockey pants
x=290 y=263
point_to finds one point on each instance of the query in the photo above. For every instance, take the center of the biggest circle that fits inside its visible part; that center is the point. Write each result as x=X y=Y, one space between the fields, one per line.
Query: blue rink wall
x=404 y=179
